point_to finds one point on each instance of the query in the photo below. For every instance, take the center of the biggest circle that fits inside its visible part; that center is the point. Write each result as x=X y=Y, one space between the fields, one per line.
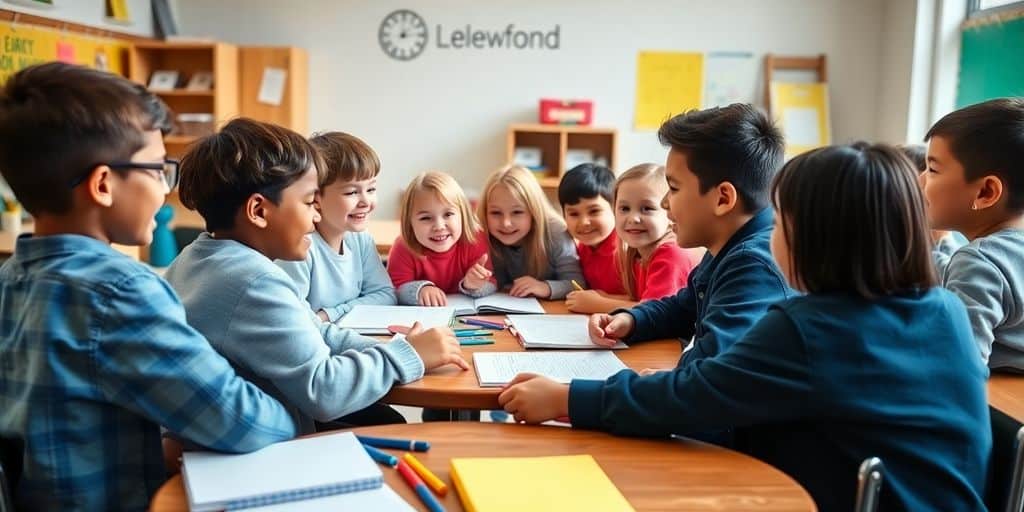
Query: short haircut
x=736 y=144
x=988 y=138
x=346 y=158
x=586 y=181
x=853 y=217
x=220 y=172
x=445 y=188
x=917 y=154
x=59 y=121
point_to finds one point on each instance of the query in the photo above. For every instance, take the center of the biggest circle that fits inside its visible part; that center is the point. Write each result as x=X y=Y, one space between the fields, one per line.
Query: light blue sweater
x=250 y=311
x=988 y=276
x=336 y=282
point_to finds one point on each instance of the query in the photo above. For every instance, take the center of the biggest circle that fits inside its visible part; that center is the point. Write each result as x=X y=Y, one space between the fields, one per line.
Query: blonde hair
x=524 y=187
x=627 y=254
x=448 y=190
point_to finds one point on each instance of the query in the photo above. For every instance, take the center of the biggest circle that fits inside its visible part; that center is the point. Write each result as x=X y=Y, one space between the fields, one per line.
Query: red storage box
x=566 y=111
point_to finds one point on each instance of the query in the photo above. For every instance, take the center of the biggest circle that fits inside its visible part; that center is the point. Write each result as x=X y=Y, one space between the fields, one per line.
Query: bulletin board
x=23 y=45
x=802 y=112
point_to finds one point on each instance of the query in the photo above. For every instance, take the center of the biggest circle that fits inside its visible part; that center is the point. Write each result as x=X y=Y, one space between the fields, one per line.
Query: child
x=814 y=391
x=441 y=249
x=586 y=193
x=718 y=170
x=945 y=242
x=343 y=268
x=650 y=264
x=255 y=186
x=96 y=355
x=975 y=186
x=530 y=248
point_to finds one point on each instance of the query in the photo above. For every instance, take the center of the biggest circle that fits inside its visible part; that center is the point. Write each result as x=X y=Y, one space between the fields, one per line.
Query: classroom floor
x=415 y=414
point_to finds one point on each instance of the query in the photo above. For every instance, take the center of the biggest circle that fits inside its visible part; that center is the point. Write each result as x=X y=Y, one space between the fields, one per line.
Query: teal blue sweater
x=822 y=382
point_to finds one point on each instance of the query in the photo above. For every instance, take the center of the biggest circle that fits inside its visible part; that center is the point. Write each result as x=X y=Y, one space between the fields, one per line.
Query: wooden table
x=1006 y=394
x=653 y=475
x=452 y=388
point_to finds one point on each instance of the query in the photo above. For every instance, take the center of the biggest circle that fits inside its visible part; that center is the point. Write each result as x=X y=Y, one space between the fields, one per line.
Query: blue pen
x=381 y=457
x=471 y=333
x=475 y=341
x=421 y=488
x=496 y=326
x=398 y=444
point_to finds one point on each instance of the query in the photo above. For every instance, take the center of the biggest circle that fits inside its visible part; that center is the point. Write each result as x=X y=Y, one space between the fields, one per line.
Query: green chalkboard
x=991 y=62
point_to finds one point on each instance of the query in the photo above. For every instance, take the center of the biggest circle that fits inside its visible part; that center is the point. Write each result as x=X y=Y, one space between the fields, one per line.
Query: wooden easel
x=774 y=62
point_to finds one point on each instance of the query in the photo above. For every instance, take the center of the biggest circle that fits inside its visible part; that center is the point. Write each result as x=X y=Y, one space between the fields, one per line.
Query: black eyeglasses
x=168 y=170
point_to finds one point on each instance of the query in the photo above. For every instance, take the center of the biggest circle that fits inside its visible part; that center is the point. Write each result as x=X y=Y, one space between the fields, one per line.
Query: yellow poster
x=118 y=9
x=667 y=83
x=24 y=45
x=801 y=109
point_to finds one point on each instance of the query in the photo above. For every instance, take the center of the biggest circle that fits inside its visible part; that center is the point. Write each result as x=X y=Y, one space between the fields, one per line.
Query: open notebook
x=554 y=331
x=495 y=369
x=517 y=484
x=383 y=498
x=294 y=470
x=498 y=303
x=371 y=319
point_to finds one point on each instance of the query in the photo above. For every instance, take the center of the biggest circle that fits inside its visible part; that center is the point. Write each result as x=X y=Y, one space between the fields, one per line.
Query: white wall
x=91 y=13
x=897 y=63
x=448 y=109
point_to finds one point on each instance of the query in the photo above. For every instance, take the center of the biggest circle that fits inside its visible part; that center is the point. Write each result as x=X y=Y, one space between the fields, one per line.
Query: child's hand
x=583 y=300
x=431 y=295
x=436 y=347
x=651 y=371
x=607 y=330
x=477 y=275
x=531 y=398
x=322 y=315
x=526 y=286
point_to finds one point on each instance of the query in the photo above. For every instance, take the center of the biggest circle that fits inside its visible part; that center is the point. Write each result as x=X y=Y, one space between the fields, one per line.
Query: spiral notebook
x=498 y=303
x=374 y=319
x=294 y=470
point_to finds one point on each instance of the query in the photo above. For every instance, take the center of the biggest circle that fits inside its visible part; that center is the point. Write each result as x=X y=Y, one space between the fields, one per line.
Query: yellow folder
x=534 y=484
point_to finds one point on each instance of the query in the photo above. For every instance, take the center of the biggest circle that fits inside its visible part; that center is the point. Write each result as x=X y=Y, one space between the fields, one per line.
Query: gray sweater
x=251 y=312
x=988 y=276
x=563 y=262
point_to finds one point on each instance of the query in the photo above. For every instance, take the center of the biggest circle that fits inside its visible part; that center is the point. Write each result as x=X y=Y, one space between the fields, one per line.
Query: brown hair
x=220 y=172
x=988 y=138
x=59 y=121
x=346 y=158
x=917 y=154
x=853 y=217
x=523 y=185
x=626 y=255
x=446 y=189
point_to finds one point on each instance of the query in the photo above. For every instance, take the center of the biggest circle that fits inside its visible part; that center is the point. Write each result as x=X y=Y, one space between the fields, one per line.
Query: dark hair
x=854 y=220
x=584 y=182
x=59 y=121
x=346 y=158
x=917 y=154
x=737 y=144
x=988 y=138
x=220 y=172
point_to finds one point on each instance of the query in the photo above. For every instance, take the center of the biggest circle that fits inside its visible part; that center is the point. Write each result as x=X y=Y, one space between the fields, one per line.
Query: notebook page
x=383 y=499
x=555 y=331
x=495 y=369
x=504 y=302
x=367 y=317
x=464 y=305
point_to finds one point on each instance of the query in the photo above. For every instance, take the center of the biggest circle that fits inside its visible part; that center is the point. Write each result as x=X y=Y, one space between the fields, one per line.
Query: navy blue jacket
x=724 y=295
x=822 y=382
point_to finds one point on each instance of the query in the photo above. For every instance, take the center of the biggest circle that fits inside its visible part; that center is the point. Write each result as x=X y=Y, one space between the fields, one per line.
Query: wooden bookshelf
x=555 y=141
x=293 y=110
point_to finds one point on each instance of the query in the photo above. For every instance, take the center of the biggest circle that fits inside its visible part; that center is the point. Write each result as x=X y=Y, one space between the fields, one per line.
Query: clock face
x=403 y=34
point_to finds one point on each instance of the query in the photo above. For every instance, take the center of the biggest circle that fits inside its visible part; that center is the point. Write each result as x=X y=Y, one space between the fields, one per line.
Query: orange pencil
x=429 y=478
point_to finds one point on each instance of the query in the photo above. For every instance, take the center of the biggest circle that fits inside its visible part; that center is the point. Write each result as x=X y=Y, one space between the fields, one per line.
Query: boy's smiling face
x=290 y=222
x=137 y=196
x=590 y=221
x=947 y=194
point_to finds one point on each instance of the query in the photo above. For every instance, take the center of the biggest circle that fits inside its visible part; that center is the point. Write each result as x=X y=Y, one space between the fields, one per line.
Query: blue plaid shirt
x=95 y=355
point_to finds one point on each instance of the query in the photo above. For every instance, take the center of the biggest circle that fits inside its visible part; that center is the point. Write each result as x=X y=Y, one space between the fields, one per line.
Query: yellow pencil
x=577 y=286
x=429 y=478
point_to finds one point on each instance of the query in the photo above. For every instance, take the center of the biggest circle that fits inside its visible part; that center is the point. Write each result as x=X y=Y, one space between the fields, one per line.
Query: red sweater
x=600 y=268
x=444 y=269
x=665 y=273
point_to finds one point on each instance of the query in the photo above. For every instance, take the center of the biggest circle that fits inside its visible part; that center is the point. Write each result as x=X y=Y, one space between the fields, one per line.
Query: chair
x=869 y=484
x=1015 y=501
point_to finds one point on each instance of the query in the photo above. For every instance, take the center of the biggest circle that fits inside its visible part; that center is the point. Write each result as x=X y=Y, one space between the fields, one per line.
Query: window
x=986 y=7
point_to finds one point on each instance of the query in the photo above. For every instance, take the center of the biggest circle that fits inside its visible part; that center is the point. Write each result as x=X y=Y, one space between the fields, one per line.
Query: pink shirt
x=444 y=269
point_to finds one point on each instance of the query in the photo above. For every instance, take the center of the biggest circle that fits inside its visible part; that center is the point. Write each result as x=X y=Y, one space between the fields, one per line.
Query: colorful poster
x=802 y=111
x=667 y=83
x=24 y=45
